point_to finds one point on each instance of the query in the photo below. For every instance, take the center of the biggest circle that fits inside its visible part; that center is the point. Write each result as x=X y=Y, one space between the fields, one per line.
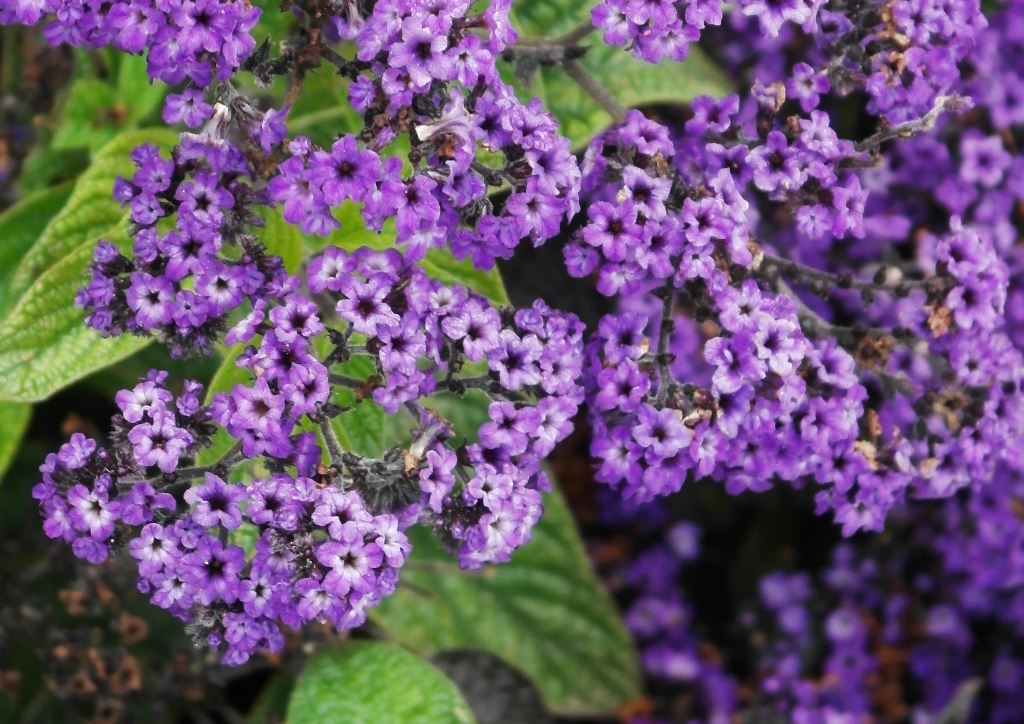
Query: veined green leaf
x=92 y=115
x=544 y=612
x=91 y=208
x=14 y=417
x=366 y=682
x=20 y=226
x=44 y=343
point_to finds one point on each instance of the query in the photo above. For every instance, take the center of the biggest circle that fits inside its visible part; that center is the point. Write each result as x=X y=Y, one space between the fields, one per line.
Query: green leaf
x=14 y=419
x=134 y=88
x=92 y=116
x=440 y=264
x=322 y=110
x=20 y=226
x=91 y=209
x=45 y=167
x=631 y=82
x=281 y=238
x=544 y=612
x=225 y=378
x=361 y=429
x=366 y=682
x=44 y=343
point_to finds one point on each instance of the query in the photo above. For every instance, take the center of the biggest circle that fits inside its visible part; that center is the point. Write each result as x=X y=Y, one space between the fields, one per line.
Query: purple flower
x=155 y=549
x=160 y=442
x=363 y=305
x=141 y=503
x=216 y=503
x=352 y=563
x=515 y=360
x=92 y=512
x=212 y=570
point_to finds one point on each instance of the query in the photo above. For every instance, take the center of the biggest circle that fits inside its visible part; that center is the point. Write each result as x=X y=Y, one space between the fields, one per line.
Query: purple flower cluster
x=653 y=29
x=778 y=404
x=902 y=398
x=319 y=555
x=329 y=537
x=178 y=284
x=198 y=41
x=423 y=333
x=422 y=70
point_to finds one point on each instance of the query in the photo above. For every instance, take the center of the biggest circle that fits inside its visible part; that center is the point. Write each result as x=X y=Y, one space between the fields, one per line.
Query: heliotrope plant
x=816 y=283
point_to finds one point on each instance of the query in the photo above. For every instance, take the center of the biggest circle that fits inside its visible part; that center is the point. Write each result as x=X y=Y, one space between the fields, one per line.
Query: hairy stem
x=331 y=439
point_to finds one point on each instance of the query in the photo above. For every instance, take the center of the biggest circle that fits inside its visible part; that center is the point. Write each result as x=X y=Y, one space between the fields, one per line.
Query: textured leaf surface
x=544 y=612
x=14 y=418
x=20 y=226
x=364 y=682
x=44 y=343
x=90 y=116
x=91 y=208
x=360 y=429
x=630 y=81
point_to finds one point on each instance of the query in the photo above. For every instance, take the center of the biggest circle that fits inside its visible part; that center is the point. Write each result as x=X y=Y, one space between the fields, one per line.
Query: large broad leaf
x=544 y=612
x=20 y=226
x=630 y=81
x=365 y=682
x=44 y=343
x=93 y=114
x=140 y=95
x=14 y=419
x=90 y=210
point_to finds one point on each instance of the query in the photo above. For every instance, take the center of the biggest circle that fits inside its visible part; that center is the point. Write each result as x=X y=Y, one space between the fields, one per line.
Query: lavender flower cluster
x=920 y=311
x=198 y=42
x=422 y=70
x=182 y=285
x=795 y=306
x=725 y=362
x=329 y=535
